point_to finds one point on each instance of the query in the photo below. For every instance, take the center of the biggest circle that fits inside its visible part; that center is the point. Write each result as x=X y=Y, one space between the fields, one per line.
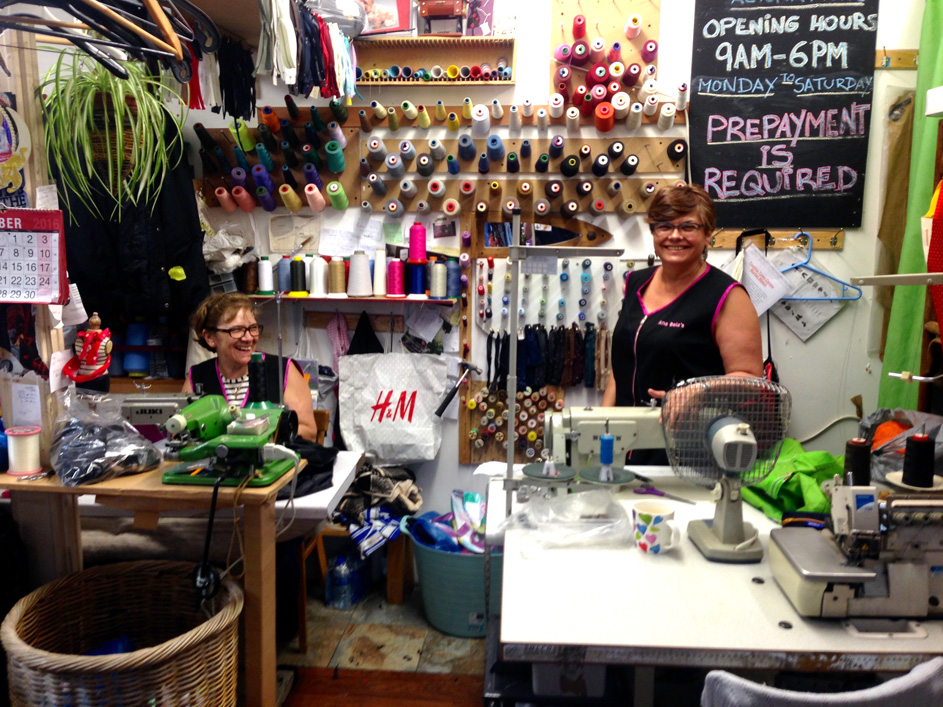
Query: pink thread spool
x=579 y=27
x=632 y=74
x=649 y=51
x=225 y=199
x=395 y=279
x=417 y=242
x=244 y=199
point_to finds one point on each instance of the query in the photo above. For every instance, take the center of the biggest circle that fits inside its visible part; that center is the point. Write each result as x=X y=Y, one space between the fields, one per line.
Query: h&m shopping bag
x=387 y=404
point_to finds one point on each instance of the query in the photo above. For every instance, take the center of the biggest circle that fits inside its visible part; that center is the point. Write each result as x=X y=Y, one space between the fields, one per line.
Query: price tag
x=32 y=257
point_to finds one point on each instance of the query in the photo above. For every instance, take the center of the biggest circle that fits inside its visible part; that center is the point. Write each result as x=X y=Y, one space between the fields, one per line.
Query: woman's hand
x=656 y=394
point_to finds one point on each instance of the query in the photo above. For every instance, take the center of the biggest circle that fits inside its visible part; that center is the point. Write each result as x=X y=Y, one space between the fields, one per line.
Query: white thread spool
x=616 y=71
x=649 y=88
x=265 y=278
x=515 y=118
x=682 y=101
x=497 y=112
x=527 y=108
x=481 y=120
x=634 y=121
x=23 y=450
x=651 y=106
x=379 y=273
x=541 y=118
x=666 y=118
x=650 y=71
x=317 y=283
x=556 y=105
x=436 y=72
x=620 y=105
x=438 y=286
x=358 y=281
x=572 y=118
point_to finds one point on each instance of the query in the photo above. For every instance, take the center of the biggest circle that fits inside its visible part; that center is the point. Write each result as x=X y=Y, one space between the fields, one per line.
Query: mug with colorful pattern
x=654 y=526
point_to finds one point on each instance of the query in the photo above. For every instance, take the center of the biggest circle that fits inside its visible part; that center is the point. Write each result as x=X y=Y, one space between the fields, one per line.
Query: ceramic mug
x=655 y=529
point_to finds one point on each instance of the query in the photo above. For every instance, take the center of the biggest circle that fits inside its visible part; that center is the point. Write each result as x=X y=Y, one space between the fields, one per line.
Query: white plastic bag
x=387 y=404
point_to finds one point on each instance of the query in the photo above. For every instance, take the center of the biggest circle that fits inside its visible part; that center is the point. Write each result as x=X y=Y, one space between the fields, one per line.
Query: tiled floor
x=374 y=635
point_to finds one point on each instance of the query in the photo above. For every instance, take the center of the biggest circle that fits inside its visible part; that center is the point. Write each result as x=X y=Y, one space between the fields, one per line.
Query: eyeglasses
x=688 y=228
x=237 y=332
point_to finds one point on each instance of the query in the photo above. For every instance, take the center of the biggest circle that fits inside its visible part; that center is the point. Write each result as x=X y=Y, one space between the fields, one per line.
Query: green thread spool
x=339 y=110
x=335 y=157
x=242 y=135
x=337 y=197
x=317 y=121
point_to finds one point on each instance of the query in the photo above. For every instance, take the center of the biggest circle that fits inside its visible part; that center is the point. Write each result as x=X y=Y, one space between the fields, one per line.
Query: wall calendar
x=32 y=257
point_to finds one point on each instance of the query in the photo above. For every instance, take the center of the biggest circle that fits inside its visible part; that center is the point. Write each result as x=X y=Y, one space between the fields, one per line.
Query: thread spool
x=339 y=110
x=467 y=102
x=677 y=150
x=291 y=159
x=436 y=188
x=366 y=207
x=579 y=27
x=244 y=199
x=240 y=157
x=484 y=164
x=556 y=106
x=337 y=196
x=570 y=208
x=394 y=208
x=289 y=198
x=579 y=95
x=634 y=121
x=466 y=239
x=416 y=280
x=467 y=188
x=514 y=121
x=451 y=207
x=408 y=189
x=541 y=207
x=579 y=53
x=495 y=148
x=337 y=279
x=225 y=199
x=288 y=177
x=527 y=108
x=604 y=117
x=359 y=283
x=23 y=450
x=512 y=163
x=918 y=461
x=206 y=140
x=681 y=102
x=857 y=471
x=481 y=121
x=407 y=152
x=379 y=273
x=376 y=150
x=284 y=274
x=422 y=207
x=570 y=166
x=261 y=177
x=626 y=208
x=318 y=277
x=584 y=187
x=317 y=120
x=392 y=118
x=423 y=121
x=620 y=105
x=238 y=176
x=598 y=74
x=287 y=131
x=649 y=51
x=601 y=165
x=648 y=190
x=438 y=286
x=394 y=166
x=264 y=278
x=424 y=165
x=497 y=111
x=563 y=75
x=572 y=118
x=666 y=116
x=649 y=88
x=440 y=109
x=629 y=165
x=437 y=73
x=395 y=279
x=417 y=242
x=614 y=188
x=335 y=157
x=542 y=119
x=452 y=165
x=587 y=105
x=543 y=163
x=410 y=112
x=298 y=276
x=265 y=198
x=453 y=278
x=598 y=206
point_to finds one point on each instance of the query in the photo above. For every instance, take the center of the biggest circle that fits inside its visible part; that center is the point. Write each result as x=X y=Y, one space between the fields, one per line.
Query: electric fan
x=729 y=430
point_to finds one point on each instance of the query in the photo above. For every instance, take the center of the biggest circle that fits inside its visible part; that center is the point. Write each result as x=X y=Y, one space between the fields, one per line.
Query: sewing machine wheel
x=287 y=427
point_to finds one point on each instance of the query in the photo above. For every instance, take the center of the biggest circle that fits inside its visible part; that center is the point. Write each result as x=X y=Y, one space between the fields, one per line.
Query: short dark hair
x=215 y=309
x=677 y=200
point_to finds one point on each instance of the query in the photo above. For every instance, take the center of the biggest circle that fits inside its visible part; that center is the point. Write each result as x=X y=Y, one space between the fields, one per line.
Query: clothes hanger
x=845 y=286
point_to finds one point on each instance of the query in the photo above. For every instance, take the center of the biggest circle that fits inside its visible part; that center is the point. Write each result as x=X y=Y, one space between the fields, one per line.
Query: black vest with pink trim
x=207 y=374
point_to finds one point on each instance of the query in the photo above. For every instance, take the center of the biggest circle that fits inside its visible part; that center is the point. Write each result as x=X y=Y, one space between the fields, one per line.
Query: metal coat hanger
x=845 y=286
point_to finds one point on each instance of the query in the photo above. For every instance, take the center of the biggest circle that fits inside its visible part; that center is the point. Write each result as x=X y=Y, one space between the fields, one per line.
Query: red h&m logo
x=403 y=410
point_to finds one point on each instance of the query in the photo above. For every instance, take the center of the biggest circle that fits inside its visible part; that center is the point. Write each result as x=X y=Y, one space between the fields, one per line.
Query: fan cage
x=689 y=409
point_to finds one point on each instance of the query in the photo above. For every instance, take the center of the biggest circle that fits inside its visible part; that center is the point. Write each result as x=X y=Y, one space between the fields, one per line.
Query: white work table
x=619 y=606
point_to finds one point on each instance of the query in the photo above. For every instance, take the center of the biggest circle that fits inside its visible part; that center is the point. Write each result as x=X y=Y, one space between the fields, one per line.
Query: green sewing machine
x=215 y=439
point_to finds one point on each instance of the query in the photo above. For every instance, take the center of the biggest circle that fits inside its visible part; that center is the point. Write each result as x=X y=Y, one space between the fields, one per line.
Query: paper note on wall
x=26 y=404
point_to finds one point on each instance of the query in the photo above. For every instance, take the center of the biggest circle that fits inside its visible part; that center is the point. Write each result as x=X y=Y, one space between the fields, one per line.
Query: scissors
x=648 y=489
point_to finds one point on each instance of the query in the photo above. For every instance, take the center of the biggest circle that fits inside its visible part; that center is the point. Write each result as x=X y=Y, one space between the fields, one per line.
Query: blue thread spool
x=453 y=278
x=291 y=159
x=312 y=176
x=311 y=135
x=221 y=158
x=416 y=274
x=495 y=148
x=556 y=146
x=289 y=177
x=606 y=449
x=525 y=149
x=466 y=148
x=137 y=363
x=289 y=134
x=261 y=177
x=240 y=157
x=453 y=165
x=284 y=274
x=265 y=198
x=265 y=159
x=238 y=175
x=483 y=164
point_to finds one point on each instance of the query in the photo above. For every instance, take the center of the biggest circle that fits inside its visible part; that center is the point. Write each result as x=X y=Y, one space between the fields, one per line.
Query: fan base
x=702 y=535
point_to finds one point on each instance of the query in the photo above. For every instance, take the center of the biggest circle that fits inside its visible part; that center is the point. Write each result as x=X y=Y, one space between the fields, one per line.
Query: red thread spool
x=615 y=53
x=598 y=74
x=605 y=117
x=579 y=27
x=578 y=93
x=563 y=90
x=475 y=72
x=564 y=75
x=587 y=106
x=612 y=88
x=579 y=53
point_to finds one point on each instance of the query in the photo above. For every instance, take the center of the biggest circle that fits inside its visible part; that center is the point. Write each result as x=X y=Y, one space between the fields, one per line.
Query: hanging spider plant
x=108 y=136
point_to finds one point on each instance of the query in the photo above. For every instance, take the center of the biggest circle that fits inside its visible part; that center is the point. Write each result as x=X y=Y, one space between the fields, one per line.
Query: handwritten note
x=27 y=408
x=780 y=109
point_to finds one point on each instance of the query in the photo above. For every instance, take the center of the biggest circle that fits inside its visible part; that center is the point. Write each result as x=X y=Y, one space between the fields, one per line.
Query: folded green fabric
x=795 y=483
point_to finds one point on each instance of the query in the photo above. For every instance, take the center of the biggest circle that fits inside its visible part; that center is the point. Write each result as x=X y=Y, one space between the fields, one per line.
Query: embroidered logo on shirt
x=673 y=325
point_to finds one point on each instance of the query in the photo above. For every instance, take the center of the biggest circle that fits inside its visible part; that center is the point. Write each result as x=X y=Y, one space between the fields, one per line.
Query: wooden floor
x=332 y=687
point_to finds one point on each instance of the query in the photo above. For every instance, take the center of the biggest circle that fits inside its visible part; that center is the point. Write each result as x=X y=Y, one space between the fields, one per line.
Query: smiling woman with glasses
x=682 y=318
x=226 y=325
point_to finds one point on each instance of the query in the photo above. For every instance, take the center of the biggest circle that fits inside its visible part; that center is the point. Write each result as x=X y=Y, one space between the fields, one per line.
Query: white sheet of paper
x=57 y=362
x=47 y=198
x=336 y=242
x=424 y=322
x=762 y=280
x=371 y=238
x=27 y=408
x=804 y=317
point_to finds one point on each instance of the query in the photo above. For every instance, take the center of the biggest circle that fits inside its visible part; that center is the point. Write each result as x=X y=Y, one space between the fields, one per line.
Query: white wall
x=822 y=374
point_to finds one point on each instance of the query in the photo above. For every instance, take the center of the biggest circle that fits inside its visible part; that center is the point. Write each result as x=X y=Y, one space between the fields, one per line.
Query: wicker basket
x=182 y=657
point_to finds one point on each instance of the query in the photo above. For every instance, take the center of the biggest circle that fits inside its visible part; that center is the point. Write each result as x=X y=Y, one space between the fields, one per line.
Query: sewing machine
x=572 y=435
x=237 y=442
x=149 y=411
x=881 y=557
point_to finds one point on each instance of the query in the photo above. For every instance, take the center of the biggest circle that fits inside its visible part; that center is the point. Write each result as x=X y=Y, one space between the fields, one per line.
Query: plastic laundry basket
x=183 y=654
x=453 y=588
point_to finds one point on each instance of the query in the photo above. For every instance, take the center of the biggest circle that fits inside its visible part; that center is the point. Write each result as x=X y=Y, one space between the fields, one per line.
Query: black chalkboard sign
x=780 y=109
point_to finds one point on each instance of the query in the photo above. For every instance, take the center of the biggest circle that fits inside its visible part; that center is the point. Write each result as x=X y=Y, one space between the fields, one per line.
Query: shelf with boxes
x=435 y=61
